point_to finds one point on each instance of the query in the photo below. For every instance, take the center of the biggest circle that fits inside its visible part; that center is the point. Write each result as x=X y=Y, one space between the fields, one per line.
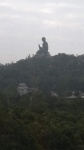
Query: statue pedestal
x=41 y=54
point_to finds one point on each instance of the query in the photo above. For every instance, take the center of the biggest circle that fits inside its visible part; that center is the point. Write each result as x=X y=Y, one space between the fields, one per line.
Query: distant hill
x=62 y=73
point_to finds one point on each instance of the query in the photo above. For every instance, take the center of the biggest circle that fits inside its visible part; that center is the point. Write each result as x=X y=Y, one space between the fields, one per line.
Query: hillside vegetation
x=45 y=123
x=37 y=120
x=62 y=73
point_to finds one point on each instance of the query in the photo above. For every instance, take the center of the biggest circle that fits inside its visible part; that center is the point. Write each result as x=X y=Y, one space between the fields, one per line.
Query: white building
x=81 y=94
x=72 y=96
x=22 y=89
x=54 y=94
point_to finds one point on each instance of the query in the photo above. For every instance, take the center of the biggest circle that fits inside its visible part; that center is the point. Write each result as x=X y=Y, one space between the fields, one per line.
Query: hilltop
x=62 y=73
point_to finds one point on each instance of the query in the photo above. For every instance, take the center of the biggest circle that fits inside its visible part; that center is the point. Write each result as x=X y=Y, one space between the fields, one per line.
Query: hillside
x=62 y=73
x=39 y=121
x=48 y=123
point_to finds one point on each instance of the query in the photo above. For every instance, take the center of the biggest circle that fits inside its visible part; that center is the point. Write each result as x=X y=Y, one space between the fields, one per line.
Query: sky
x=24 y=22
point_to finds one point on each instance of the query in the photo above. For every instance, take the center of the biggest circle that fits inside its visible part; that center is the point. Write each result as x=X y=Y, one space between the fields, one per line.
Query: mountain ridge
x=61 y=73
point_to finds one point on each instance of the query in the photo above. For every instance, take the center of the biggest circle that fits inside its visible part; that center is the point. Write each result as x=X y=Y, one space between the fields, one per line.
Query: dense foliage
x=41 y=122
x=38 y=121
x=62 y=73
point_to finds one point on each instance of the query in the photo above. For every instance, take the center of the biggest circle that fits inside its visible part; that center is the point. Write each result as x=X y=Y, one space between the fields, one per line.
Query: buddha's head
x=43 y=39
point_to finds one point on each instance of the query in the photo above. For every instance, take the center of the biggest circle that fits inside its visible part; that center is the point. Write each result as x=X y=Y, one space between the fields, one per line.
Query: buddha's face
x=43 y=39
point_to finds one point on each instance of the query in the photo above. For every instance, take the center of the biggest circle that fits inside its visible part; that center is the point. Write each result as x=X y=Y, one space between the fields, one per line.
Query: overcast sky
x=24 y=22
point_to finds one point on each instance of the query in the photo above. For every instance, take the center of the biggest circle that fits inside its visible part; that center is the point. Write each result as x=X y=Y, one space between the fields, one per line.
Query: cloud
x=60 y=24
x=23 y=22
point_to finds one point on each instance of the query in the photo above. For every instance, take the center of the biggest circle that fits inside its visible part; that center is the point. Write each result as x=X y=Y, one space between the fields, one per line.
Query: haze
x=24 y=22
